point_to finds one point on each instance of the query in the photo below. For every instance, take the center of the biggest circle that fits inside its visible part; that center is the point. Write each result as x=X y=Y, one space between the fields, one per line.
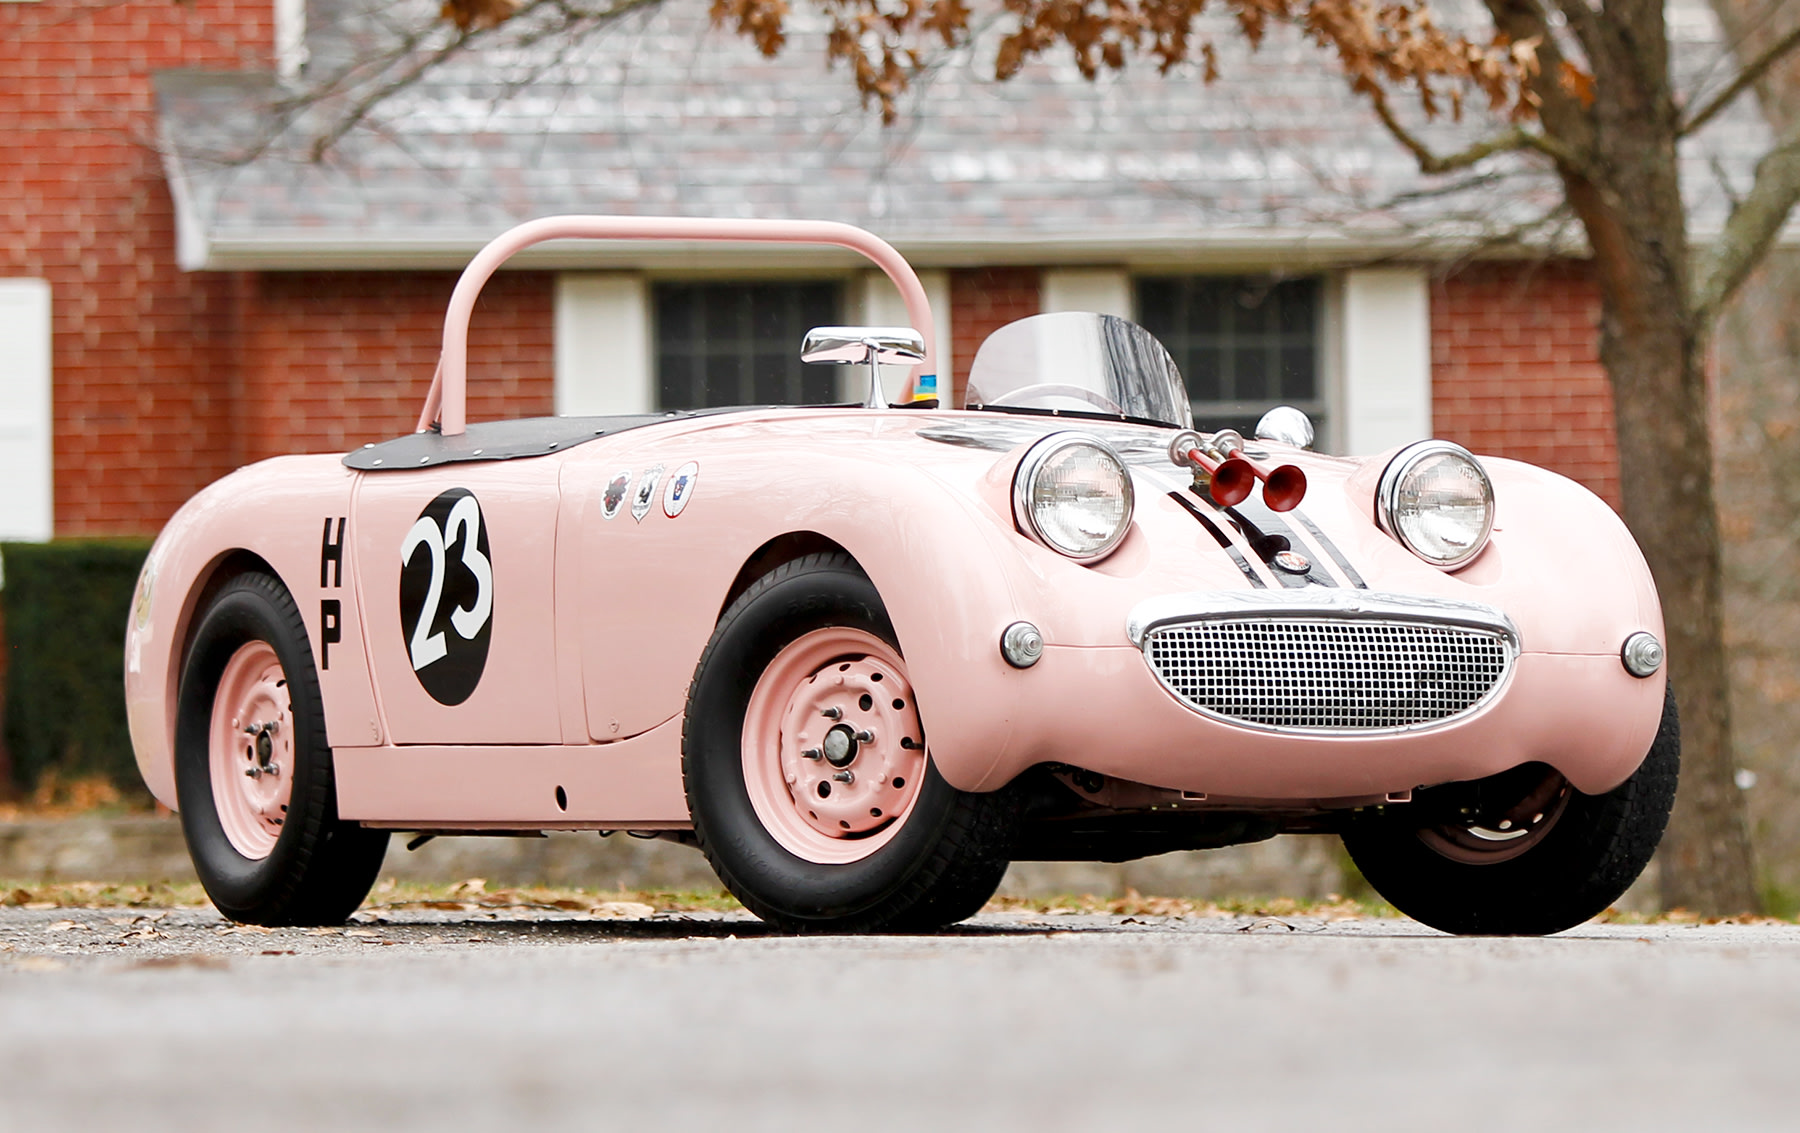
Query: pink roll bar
x=445 y=403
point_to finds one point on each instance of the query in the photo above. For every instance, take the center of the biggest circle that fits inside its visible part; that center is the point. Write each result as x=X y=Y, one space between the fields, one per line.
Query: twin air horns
x=1229 y=477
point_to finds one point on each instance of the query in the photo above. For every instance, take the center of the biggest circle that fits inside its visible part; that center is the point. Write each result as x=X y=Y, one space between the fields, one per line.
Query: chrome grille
x=1328 y=674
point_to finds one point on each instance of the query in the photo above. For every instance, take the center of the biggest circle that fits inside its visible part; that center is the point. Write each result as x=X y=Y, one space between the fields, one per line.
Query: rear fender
x=288 y=516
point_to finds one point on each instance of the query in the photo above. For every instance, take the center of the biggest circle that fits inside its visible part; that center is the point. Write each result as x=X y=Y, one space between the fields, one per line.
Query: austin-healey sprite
x=865 y=655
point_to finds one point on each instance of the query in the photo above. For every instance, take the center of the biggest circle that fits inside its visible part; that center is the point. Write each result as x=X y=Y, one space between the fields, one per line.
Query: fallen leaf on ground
x=40 y=964
x=185 y=960
x=39 y=906
x=361 y=932
x=1267 y=924
x=243 y=930
x=145 y=933
x=62 y=926
x=623 y=910
x=323 y=931
x=469 y=888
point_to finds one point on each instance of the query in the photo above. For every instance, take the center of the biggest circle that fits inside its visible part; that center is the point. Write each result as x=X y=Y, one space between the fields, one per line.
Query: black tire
x=319 y=868
x=1590 y=852
x=939 y=866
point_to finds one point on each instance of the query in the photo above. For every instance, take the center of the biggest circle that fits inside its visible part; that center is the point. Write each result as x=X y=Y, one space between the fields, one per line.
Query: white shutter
x=1386 y=359
x=1105 y=291
x=602 y=344
x=876 y=302
x=25 y=504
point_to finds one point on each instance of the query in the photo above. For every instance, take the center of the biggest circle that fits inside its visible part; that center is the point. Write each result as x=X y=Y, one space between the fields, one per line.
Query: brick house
x=182 y=290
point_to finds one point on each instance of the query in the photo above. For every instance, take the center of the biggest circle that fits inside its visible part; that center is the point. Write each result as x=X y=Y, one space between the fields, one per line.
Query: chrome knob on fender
x=1642 y=654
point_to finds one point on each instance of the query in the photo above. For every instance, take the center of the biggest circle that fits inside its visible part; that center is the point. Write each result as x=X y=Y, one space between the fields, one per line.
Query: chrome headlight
x=1437 y=500
x=1073 y=495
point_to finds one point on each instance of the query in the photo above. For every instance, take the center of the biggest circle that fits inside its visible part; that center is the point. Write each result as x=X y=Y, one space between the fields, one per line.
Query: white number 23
x=464 y=519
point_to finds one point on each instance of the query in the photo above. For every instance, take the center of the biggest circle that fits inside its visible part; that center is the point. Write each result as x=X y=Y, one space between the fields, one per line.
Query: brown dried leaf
x=478 y=15
x=39 y=964
x=1577 y=83
x=623 y=910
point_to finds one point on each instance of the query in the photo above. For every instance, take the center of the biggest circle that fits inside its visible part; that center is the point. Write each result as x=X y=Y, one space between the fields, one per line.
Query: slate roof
x=661 y=114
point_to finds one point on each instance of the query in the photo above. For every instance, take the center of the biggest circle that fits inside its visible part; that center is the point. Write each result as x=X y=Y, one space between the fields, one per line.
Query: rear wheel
x=253 y=773
x=1522 y=852
x=807 y=773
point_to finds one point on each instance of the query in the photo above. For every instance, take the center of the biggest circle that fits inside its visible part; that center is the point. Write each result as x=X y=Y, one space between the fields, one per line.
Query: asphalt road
x=562 y=1020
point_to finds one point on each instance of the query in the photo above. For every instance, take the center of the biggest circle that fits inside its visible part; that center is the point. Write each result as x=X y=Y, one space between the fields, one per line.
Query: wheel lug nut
x=833 y=713
x=812 y=753
x=844 y=776
x=865 y=737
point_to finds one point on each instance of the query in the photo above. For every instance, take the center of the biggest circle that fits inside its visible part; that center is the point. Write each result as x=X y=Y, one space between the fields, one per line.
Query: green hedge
x=65 y=605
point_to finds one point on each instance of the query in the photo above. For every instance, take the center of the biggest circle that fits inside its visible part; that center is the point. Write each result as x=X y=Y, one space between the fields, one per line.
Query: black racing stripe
x=1337 y=556
x=1259 y=515
x=1237 y=556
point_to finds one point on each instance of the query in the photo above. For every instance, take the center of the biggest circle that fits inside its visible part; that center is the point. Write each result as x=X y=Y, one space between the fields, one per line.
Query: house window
x=739 y=343
x=1244 y=345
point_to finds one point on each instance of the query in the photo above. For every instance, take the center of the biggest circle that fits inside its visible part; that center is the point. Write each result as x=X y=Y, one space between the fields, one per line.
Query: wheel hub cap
x=834 y=753
x=251 y=750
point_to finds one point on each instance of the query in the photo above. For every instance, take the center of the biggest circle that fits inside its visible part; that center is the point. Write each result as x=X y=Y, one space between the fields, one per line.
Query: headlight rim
x=1032 y=463
x=1387 y=493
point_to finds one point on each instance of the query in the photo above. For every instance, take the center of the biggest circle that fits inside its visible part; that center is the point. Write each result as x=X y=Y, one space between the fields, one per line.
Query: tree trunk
x=1666 y=468
x=1622 y=183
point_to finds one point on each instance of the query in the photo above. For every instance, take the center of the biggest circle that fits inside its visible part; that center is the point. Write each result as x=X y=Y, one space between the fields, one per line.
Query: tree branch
x=1747 y=76
x=1517 y=138
x=1583 y=21
x=1751 y=228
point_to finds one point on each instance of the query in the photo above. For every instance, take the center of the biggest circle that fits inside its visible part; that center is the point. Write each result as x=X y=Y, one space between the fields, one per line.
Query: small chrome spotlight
x=1642 y=654
x=1021 y=645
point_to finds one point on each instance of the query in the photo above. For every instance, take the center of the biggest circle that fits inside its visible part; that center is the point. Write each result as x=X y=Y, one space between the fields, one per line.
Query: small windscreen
x=1079 y=362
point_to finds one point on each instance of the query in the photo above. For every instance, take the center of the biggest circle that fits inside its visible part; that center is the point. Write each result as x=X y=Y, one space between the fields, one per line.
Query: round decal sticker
x=680 y=489
x=614 y=496
x=447 y=596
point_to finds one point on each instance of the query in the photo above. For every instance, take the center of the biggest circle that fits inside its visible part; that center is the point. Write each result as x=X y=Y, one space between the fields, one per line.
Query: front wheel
x=253 y=772
x=1522 y=852
x=807 y=772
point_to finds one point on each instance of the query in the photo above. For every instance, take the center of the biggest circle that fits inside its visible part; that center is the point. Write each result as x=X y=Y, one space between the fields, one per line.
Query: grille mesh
x=1323 y=673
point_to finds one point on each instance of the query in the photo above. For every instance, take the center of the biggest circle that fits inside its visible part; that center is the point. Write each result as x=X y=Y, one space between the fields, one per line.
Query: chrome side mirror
x=1286 y=425
x=872 y=345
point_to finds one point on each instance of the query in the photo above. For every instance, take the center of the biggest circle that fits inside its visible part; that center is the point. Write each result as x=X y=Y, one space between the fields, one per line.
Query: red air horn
x=1232 y=476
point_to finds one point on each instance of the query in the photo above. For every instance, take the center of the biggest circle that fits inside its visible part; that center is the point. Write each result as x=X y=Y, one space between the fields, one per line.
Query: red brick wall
x=1515 y=368
x=982 y=300
x=140 y=351
x=331 y=360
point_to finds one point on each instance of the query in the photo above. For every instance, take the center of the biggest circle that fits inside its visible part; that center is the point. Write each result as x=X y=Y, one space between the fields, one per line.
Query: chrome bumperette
x=1326 y=661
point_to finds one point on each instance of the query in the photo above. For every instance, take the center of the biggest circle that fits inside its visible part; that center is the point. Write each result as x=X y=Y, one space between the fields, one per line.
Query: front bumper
x=1106 y=710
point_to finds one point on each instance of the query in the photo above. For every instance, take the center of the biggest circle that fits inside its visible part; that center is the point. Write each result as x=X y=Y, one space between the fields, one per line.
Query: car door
x=456 y=564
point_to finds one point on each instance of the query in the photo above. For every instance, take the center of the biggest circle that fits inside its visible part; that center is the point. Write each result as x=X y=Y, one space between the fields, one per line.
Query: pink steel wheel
x=834 y=755
x=251 y=749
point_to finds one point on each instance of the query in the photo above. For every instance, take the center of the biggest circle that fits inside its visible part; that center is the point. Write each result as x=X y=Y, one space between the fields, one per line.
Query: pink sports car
x=863 y=656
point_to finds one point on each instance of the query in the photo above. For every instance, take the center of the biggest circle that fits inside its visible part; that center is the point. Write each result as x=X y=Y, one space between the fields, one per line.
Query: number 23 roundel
x=447 y=596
